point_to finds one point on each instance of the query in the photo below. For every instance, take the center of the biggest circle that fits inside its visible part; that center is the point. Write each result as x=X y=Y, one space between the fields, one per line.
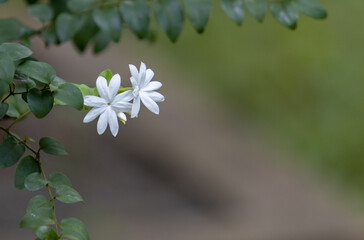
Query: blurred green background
x=305 y=87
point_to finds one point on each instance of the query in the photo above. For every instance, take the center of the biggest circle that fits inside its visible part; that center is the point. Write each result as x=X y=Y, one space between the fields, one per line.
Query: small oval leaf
x=34 y=182
x=25 y=167
x=52 y=146
x=40 y=102
x=67 y=194
x=10 y=151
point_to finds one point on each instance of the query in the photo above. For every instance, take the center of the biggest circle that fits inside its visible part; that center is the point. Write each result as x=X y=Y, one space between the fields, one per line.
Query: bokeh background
x=261 y=135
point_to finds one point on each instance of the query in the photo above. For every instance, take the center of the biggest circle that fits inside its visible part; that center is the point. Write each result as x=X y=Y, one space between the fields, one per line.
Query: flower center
x=108 y=104
x=136 y=91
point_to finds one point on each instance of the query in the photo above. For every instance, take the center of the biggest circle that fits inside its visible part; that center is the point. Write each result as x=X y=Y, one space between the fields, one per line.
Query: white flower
x=108 y=106
x=144 y=90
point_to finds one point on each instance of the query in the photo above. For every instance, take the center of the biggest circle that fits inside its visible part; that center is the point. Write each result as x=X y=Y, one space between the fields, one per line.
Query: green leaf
x=15 y=51
x=42 y=12
x=169 y=15
x=198 y=11
x=49 y=34
x=234 y=9
x=85 y=34
x=108 y=20
x=10 y=151
x=136 y=15
x=67 y=194
x=45 y=233
x=285 y=13
x=57 y=81
x=11 y=29
x=40 y=102
x=34 y=182
x=257 y=8
x=39 y=71
x=70 y=95
x=17 y=106
x=39 y=213
x=57 y=179
x=67 y=26
x=7 y=68
x=74 y=229
x=3 y=109
x=81 y=5
x=101 y=41
x=86 y=90
x=25 y=167
x=311 y=8
x=52 y=146
x=107 y=74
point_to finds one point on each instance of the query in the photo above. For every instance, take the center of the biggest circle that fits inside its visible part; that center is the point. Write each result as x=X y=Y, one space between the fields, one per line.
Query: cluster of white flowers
x=110 y=106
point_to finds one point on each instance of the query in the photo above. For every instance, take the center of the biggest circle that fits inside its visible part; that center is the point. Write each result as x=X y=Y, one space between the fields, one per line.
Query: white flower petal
x=93 y=114
x=134 y=81
x=152 y=86
x=134 y=71
x=148 y=77
x=124 y=96
x=122 y=116
x=102 y=88
x=114 y=85
x=122 y=106
x=102 y=122
x=155 y=96
x=113 y=122
x=142 y=73
x=136 y=107
x=94 y=101
x=149 y=103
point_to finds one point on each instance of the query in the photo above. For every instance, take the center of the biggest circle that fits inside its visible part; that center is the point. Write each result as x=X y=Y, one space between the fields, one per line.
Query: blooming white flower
x=144 y=89
x=108 y=106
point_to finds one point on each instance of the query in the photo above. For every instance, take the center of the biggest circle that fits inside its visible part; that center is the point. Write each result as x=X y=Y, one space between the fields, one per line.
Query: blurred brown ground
x=191 y=173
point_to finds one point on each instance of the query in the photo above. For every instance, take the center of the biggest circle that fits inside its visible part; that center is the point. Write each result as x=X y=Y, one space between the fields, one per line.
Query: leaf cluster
x=98 y=23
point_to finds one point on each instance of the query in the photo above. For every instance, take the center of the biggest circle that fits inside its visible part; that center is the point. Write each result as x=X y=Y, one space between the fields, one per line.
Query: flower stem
x=18 y=119
x=51 y=197
x=17 y=138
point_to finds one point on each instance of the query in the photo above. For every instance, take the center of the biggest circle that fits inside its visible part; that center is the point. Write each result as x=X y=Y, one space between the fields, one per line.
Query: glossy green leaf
x=39 y=71
x=25 y=167
x=40 y=102
x=169 y=15
x=73 y=229
x=101 y=41
x=107 y=74
x=86 y=90
x=15 y=51
x=67 y=194
x=39 y=213
x=234 y=9
x=10 y=151
x=257 y=8
x=7 y=68
x=198 y=11
x=67 y=25
x=17 y=106
x=34 y=182
x=45 y=233
x=87 y=31
x=311 y=8
x=57 y=179
x=52 y=146
x=285 y=13
x=108 y=20
x=136 y=15
x=11 y=29
x=57 y=81
x=42 y=12
x=3 y=109
x=70 y=95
